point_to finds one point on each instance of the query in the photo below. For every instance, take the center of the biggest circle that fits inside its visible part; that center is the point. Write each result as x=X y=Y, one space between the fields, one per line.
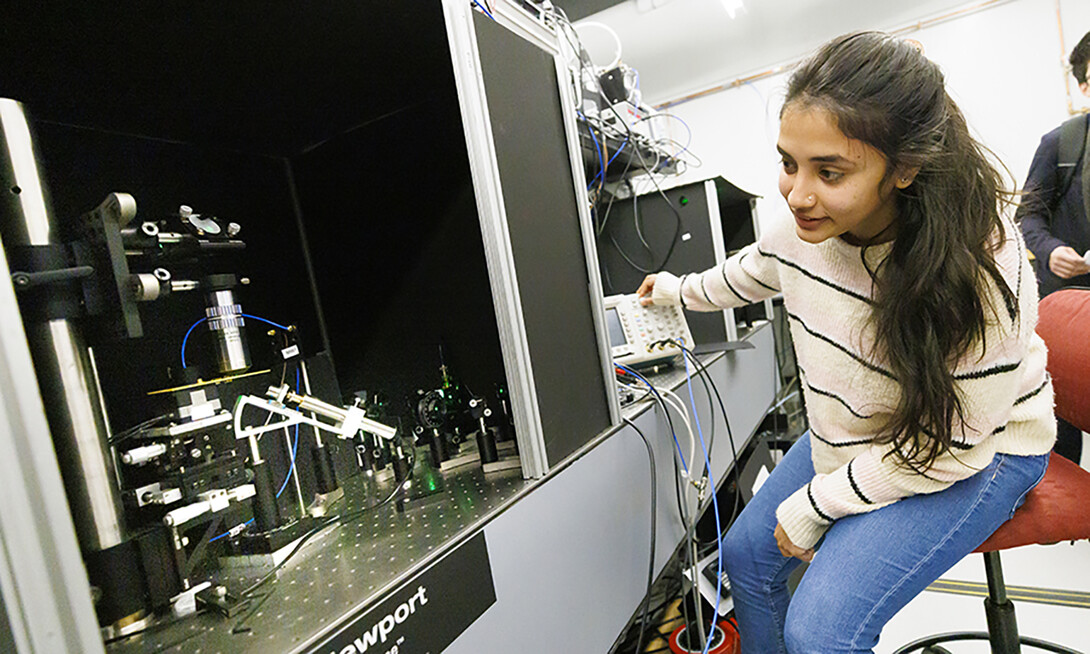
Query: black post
x=325 y=477
x=1002 y=625
x=266 y=511
x=486 y=444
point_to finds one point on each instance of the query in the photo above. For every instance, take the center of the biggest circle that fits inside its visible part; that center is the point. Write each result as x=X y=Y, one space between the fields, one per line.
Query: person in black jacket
x=1054 y=217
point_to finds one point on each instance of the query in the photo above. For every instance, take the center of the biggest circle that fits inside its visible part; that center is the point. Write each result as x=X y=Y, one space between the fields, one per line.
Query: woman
x=912 y=306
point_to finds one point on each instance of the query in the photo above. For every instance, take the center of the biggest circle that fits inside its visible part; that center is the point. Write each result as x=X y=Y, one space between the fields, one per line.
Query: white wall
x=1003 y=65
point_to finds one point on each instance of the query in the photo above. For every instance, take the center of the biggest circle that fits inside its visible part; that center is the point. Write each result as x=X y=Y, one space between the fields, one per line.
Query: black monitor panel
x=543 y=220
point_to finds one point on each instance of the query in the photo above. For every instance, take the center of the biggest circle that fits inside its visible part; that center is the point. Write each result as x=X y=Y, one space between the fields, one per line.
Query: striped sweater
x=849 y=392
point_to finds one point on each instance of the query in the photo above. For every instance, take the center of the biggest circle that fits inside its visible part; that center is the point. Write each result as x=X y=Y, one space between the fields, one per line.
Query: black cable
x=686 y=562
x=245 y=595
x=577 y=47
x=638 y=225
x=601 y=150
x=682 y=511
x=628 y=260
x=633 y=137
x=673 y=240
x=702 y=375
x=613 y=196
x=677 y=225
x=677 y=471
x=702 y=370
x=135 y=429
x=601 y=227
x=689 y=525
x=654 y=509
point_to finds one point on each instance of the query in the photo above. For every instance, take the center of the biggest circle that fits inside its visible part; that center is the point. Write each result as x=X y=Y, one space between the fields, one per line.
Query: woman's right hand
x=644 y=292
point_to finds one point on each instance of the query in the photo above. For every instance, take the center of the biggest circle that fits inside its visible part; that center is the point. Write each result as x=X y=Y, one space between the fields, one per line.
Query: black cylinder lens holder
x=266 y=511
x=323 y=470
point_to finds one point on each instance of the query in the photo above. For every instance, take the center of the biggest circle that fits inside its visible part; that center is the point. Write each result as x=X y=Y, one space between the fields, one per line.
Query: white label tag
x=686 y=236
x=762 y=475
x=289 y=352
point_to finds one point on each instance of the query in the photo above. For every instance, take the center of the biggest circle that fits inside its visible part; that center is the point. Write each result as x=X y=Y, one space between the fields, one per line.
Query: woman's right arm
x=745 y=278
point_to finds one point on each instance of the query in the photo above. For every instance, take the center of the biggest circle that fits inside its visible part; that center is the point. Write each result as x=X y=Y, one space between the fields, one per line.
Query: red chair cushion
x=1058 y=509
x=1064 y=324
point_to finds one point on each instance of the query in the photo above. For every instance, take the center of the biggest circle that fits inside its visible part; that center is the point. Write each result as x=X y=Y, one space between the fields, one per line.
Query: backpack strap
x=1073 y=134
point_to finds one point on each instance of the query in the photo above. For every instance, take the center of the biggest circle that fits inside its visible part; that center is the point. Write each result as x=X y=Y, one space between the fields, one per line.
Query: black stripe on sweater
x=860 y=360
x=811 y=275
x=988 y=372
x=705 y=291
x=723 y=272
x=1034 y=392
x=821 y=514
x=855 y=486
x=1009 y=300
x=754 y=277
x=830 y=443
x=833 y=396
x=962 y=445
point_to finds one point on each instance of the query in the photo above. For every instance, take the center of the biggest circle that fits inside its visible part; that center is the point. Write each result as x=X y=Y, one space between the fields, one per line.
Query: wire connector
x=701 y=486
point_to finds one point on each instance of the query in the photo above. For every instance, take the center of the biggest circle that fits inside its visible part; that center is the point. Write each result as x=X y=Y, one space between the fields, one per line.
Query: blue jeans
x=867 y=566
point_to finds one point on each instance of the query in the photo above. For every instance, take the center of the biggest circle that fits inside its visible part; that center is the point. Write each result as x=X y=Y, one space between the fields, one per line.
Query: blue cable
x=268 y=322
x=244 y=315
x=597 y=151
x=485 y=10
x=294 y=447
x=675 y=117
x=212 y=540
x=186 y=339
x=715 y=506
x=661 y=400
x=623 y=143
x=711 y=482
x=689 y=129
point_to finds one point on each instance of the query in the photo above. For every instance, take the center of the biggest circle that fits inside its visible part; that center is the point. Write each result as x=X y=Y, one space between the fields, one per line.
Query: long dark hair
x=930 y=304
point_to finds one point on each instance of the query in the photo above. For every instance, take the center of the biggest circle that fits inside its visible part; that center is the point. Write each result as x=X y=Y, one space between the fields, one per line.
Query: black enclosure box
x=402 y=174
x=685 y=228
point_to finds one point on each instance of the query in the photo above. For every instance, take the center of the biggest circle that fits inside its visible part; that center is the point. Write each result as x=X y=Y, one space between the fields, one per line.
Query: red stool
x=1058 y=509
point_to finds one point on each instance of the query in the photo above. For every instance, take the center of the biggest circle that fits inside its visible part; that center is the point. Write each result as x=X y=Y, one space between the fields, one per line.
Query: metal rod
x=306 y=387
x=61 y=363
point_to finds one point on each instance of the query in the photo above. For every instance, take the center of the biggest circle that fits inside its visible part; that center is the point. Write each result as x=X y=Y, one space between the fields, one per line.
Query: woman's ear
x=905 y=176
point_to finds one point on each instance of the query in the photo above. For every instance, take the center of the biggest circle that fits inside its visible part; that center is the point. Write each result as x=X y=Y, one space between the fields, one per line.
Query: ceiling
x=682 y=46
x=579 y=9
